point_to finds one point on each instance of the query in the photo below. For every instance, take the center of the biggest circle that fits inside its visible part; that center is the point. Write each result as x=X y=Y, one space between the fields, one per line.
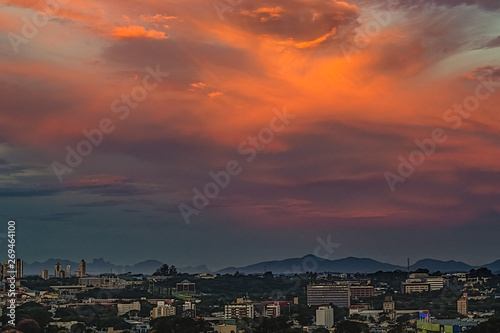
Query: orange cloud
x=265 y=13
x=135 y=31
x=157 y=19
x=214 y=94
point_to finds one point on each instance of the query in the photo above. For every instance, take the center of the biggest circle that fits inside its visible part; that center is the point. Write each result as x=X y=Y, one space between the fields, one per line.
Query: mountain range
x=287 y=266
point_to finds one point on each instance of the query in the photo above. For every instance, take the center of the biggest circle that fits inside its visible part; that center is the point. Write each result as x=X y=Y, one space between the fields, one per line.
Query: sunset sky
x=174 y=90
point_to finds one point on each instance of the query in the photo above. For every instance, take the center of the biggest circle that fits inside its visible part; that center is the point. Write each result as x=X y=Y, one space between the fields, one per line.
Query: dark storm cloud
x=296 y=19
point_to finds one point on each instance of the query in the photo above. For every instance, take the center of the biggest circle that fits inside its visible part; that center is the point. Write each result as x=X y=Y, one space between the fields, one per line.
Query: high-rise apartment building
x=389 y=307
x=58 y=273
x=19 y=269
x=68 y=271
x=325 y=294
x=82 y=269
x=242 y=308
x=462 y=305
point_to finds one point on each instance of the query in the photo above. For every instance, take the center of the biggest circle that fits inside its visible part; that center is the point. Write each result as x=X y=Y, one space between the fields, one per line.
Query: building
x=272 y=310
x=324 y=316
x=68 y=271
x=325 y=294
x=410 y=288
x=95 y=281
x=82 y=269
x=58 y=273
x=45 y=274
x=360 y=307
x=362 y=291
x=444 y=325
x=421 y=282
x=5 y=270
x=126 y=308
x=389 y=307
x=189 y=309
x=185 y=287
x=19 y=269
x=462 y=305
x=139 y=327
x=242 y=308
x=162 y=310
x=69 y=290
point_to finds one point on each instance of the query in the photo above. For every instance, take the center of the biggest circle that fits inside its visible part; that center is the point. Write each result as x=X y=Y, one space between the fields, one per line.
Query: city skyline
x=194 y=134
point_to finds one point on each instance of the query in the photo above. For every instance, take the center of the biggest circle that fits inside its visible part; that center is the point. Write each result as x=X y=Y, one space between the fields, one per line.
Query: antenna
x=408 y=261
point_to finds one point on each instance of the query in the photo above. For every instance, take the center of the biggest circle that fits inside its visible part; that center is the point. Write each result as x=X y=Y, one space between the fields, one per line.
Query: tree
x=347 y=326
x=304 y=319
x=28 y=326
x=275 y=325
x=162 y=271
x=35 y=311
x=321 y=330
x=172 y=271
x=165 y=270
x=179 y=324
x=77 y=328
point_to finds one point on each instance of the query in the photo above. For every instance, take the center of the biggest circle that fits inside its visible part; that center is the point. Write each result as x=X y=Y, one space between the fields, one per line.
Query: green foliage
x=35 y=311
x=321 y=330
x=28 y=326
x=164 y=270
x=275 y=325
x=347 y=326
x=180 y=324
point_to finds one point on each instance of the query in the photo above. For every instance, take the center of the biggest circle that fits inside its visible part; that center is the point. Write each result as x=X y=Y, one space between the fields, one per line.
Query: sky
x=230 y=132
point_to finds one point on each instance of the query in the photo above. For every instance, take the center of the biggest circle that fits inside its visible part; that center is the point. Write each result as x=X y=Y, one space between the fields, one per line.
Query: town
x=62 y=300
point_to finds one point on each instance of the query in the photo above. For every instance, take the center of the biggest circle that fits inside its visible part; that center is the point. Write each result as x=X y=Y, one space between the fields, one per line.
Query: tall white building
x=324 y=316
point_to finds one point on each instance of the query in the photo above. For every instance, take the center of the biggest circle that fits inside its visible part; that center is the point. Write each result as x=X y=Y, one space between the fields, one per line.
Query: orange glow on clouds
x=134 y=31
